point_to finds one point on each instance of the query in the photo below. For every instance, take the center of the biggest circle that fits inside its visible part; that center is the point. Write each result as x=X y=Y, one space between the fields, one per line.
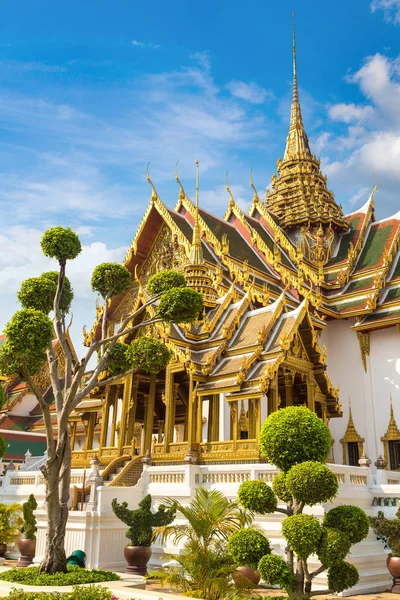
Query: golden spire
x=182 y=194
x=255 y=197
x=196 y=250
x=228 y=189
x=154 y=194
x=297 y=140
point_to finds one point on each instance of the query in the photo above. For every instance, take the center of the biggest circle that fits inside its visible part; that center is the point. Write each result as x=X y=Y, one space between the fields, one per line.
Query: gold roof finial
x=196 y=250
x=255 y=197
x=182 y=194
x=154 y=194
x=231 y=198
x=297 y=141
x=374 y=190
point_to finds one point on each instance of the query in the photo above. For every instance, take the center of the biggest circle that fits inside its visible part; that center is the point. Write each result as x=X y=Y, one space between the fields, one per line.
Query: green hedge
x=75 y=575
x=93 y=592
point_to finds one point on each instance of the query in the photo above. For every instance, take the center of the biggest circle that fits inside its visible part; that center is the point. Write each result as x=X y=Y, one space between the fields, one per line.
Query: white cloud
x=348 y=113
x=371 y=142
x=251 y=92
x=391 y=9
x=145 y=45
x=359 y=198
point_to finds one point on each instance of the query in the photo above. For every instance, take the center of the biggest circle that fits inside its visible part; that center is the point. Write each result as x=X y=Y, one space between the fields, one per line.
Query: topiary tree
x=388 y=528
x=142 y=521
x=29 y=528
x=297 y=441
x=30 y=333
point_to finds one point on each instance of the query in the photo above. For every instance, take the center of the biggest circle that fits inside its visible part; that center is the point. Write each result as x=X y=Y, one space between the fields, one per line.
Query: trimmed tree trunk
x=57 y=475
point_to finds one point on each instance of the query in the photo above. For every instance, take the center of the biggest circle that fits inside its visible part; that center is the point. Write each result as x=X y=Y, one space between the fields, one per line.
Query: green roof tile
x=374 y=247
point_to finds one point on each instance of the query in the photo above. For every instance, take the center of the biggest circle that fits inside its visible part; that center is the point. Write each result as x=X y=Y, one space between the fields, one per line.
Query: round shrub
x=248 y=546
x=29 y=331
x=117 y=360
x=164 y=281
x=148 y=354
x=180 y=305
x=302 y=533
x=29 y=334
x=110 y=279
x=280 y=488
x=350 y=519
x=274 y=571
x=294 y=435
x=39 y=293
x=333 y=547
x=312 y=482
x=342 y=576
x=60 y=243
x=257 y=496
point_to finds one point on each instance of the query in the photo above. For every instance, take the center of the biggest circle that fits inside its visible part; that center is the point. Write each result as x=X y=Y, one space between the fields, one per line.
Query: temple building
x=302 y=307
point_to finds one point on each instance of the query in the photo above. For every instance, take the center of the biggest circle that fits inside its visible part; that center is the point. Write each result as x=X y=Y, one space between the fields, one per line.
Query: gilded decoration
x=166 y=253
x=392 y=434
x=351 y=435
x=364 y=339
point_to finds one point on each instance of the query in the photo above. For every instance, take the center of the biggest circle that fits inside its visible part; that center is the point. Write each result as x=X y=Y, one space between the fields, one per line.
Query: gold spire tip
x=197 y=184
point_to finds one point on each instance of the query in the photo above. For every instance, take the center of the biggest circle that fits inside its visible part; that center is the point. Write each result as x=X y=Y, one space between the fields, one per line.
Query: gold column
x=148 y=431
x=289 y=389
x=199 y=420
x=273 y=396
x=213 y=419
x=73 y=433
x=257 y=417
x=234 y=423
x=252 y=428
x=105 y=419
x=114 y=421
x=191 y=410
x=132 y=405
x=124 y=413
x=90 y=431
x=311 y=392
x=169 y=380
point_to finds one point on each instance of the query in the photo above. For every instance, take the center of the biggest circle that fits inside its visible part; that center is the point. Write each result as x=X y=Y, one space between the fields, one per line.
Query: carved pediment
x=166 y=253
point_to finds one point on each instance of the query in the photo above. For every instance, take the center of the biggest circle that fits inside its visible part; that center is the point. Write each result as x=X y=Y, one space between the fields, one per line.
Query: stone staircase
x=123 y=472
x=128 y=474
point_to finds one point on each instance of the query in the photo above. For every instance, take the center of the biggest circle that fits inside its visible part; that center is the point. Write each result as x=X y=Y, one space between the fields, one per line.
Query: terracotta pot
x=393 y=565
x=27 y=550
x=243 y=575
x=137 y=558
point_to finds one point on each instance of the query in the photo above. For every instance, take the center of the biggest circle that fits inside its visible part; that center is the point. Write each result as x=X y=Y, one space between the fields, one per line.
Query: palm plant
x=10 y=522
x=204 y=567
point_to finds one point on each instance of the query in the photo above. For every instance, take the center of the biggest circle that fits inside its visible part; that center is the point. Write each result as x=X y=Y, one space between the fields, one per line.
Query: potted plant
x=141 y=522
x=390 y=529
x=10 y=524
x=27 y=541
x=247 y=547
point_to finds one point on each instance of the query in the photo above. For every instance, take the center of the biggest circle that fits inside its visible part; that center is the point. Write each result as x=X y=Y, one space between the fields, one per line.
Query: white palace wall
x=369 y=391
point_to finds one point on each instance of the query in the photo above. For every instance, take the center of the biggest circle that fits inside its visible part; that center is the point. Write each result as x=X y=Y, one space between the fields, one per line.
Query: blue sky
x=92 y=91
